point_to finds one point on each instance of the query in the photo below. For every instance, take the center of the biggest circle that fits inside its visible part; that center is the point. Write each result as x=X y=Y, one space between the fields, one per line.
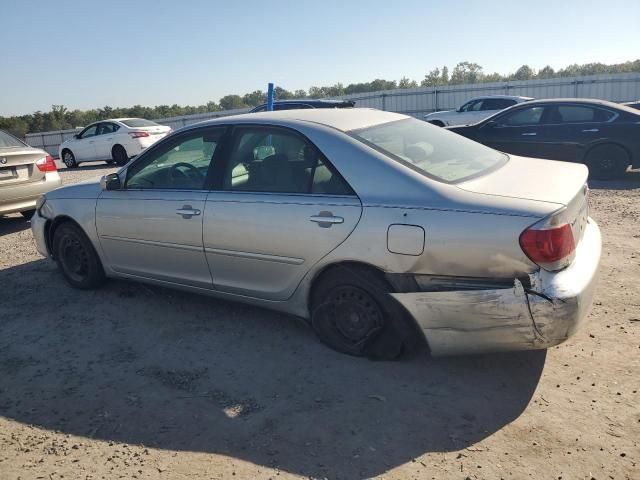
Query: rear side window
x=273 y=160
x=497 y=103
x=139 y=122
x=580 y=114
x=525 y=116
x=8 y=140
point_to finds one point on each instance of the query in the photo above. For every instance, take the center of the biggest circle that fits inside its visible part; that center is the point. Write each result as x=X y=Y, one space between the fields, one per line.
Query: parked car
x=378 y=229
x=603 y=135
x=25 y=174
x=474 y=110
x=114 y=141
x=635 y=104
x=303 y=104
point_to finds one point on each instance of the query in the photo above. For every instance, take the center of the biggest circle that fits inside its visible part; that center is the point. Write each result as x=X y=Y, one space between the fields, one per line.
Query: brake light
x=551 y=247
x=46 y=164
x=138 y=134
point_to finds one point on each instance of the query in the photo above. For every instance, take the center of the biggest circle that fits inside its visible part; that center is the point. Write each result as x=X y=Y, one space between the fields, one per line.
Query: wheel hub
x=356 y=315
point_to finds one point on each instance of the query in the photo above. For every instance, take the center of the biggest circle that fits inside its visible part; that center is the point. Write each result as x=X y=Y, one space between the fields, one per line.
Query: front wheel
x=607 y=162
x=76 y=257
x=119 y=155
x=69 y=159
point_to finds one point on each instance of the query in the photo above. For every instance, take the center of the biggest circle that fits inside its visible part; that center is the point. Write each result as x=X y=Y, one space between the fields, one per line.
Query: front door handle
x=187 y=211
x=529 y=134
x=326 y=219
x=591 y=130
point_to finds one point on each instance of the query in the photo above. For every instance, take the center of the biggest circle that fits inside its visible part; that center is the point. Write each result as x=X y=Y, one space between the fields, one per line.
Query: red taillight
x=46 y=164
x=138 y=134
x=550 y=247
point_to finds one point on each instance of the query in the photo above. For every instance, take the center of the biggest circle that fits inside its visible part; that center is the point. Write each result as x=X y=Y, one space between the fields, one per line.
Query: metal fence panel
x=417 y=102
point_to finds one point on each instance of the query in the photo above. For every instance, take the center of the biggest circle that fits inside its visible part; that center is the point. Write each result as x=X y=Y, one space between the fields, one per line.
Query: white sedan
x=475 y=110
x=114 y=141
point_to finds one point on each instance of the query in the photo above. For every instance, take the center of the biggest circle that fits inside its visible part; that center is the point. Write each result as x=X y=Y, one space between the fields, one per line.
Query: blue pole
x=270 y=98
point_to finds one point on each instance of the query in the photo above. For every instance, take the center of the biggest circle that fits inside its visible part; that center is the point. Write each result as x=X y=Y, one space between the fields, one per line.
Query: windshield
x=7 y=140
x=139 y=122
x=431 y=150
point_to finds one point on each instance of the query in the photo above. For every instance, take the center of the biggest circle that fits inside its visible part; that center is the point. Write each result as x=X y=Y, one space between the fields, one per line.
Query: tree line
x=60 y=118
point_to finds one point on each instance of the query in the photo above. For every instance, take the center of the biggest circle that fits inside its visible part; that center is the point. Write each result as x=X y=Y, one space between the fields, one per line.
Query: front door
x=104 y=140
x=519 y=132
x=280 y=208
x=152 y=227
x=84 y=146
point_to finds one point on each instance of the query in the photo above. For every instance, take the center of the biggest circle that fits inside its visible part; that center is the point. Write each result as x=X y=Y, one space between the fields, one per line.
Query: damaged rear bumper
x=536 y=316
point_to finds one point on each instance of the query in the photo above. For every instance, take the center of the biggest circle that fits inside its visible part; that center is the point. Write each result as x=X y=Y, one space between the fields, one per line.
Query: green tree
x=407 y=83
x=466 y=72
x=231 y=102
x=525 y=72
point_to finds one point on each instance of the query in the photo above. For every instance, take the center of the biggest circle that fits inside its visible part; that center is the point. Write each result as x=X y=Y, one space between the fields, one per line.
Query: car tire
x=353 y=313
x=28 y=214
x=76 y=257
x=607 y=162
x=119 y=155
x=437 y=123
x=69 y=159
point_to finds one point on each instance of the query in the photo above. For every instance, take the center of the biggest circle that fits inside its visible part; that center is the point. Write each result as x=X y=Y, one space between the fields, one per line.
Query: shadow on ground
x=85 y=166
x=628 y=181
x=13 y=224
x=165 y=369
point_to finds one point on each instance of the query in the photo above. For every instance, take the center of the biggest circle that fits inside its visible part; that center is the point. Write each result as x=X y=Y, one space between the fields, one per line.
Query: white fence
x=416 y=102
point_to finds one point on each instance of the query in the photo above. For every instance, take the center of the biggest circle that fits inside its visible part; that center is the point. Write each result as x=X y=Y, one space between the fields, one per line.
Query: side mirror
x=110 y=182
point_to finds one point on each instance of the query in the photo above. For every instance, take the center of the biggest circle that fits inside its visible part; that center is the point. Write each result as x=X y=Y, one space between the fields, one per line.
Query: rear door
x=572 y=128
x=152 y=228
x=279 y=207
x=104 y=139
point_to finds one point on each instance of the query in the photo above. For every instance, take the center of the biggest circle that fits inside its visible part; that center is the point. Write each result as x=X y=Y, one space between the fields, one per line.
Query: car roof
x=584 y=101
x=344 y=119
x=510 y=97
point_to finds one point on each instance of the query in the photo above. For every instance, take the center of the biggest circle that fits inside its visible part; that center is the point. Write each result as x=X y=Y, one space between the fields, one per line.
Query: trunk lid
x=157 y=130
x=550 y=181
x=18 y=165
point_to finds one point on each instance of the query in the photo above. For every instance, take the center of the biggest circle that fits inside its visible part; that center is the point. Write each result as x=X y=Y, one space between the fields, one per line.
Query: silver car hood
x=532 y=179
x=87 y=189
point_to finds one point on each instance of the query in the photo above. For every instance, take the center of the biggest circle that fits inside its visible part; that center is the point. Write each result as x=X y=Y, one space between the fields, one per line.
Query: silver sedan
x=380 y=230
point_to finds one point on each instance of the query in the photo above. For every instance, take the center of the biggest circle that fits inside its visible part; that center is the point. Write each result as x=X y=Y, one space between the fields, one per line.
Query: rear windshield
x=7 y=140
x=139 y=122
x=430 y=150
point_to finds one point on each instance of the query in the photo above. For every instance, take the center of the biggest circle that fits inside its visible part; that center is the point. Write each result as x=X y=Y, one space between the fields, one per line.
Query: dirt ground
x=134 y=381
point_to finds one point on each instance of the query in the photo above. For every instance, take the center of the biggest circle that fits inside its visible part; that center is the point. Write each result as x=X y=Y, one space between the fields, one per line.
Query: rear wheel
x=69 y=159
x=607 y=162
x=28 y=214
x=76 y=257
x=119 y=155
x=352 y=312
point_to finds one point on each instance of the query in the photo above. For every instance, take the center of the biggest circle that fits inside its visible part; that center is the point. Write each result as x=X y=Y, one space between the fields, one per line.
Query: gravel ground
x=134 y=381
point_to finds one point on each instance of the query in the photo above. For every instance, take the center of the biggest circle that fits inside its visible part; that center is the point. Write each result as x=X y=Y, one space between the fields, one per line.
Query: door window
x=472 y=106
x=580 y=114
x=89 y=132
x=497 y=103
x=279 y=161
x=104 y=128
x=180 y=163
x=525 y=116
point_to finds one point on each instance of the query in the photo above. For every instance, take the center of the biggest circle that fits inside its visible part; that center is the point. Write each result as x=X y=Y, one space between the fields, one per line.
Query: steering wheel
x=191 y=175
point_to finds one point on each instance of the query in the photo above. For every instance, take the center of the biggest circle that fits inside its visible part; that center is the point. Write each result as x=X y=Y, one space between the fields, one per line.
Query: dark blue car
x=603 y=135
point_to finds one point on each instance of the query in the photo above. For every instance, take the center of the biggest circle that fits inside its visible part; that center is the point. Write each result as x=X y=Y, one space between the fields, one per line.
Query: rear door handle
x=326 y=219
x=187 y=211
x=591 y=130
x=529 y=134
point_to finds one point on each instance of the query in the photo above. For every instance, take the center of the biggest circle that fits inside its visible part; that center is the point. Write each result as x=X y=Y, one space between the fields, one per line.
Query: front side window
x=525 y=116
x=274 y=160
x=472 y=106
x=89 y=132
x=433 y=151
x=181 y=163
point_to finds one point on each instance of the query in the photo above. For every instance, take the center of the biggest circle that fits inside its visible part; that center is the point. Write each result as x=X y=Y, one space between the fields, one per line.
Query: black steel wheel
x=607 y=162
x=76 y=257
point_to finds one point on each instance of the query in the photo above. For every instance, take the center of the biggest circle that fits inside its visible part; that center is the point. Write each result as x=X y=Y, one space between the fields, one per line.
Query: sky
x=85 y=54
